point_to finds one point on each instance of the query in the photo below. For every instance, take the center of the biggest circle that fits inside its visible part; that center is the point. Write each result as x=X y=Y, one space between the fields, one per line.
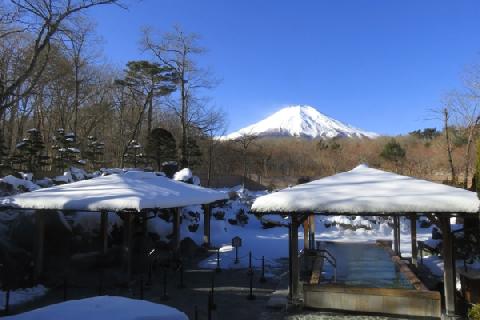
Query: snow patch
x=103 y=307
x=20 y=296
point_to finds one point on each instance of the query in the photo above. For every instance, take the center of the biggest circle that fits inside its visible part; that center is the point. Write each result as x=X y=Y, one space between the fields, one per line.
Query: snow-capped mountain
x=301 y=121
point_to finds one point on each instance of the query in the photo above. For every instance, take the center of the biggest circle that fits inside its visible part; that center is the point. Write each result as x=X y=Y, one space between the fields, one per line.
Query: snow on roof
x=103 y=307
x=367 y=190
x=127 y=191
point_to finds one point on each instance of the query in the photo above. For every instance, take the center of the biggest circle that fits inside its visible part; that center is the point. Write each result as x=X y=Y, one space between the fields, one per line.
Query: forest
x=61 y=105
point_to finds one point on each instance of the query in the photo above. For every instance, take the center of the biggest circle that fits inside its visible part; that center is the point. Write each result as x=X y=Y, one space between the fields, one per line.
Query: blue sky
x=376 y=64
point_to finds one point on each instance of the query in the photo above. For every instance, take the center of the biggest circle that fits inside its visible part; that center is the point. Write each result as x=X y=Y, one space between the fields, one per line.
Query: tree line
x=61 y=106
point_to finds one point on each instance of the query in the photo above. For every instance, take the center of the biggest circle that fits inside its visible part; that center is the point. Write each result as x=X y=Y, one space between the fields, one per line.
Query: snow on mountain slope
x=300 y=121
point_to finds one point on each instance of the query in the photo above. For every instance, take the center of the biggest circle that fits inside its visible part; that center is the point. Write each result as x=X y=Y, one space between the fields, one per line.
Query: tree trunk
x=449 y=147
x=150 y=116
x=468 y=151
x=76 y=100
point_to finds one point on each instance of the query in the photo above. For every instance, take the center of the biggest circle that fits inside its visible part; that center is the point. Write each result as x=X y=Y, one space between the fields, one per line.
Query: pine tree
x=30 y=153
x=194 y=154
x=5 y=165
x=161 y=147
x=393 y=151
x=134 y=156
x=67 y=153
x=94 y=153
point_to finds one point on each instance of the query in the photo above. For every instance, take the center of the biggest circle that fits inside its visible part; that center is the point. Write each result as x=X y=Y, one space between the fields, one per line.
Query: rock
x=219 y=215
x=193 y=227
x=188 y=247
x=15 y=265
x=436 y=234
x=232 y=195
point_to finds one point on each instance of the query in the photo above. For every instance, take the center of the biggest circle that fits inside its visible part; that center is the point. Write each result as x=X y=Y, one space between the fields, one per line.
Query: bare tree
x=45 y=21
x=446 y=118
x=215 y=127
x=465 y=109
x=245 y=141
x=178 y=50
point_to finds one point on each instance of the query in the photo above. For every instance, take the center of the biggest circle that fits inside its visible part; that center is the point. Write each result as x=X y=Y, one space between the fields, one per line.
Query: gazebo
x=364 y=191
x=130 y=193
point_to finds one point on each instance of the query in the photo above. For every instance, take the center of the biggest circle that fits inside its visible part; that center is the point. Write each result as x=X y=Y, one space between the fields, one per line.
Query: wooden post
x=128 y=235
x=39 y=243
x=312 y=231
x=306 y=233
x=206 y=225
x=176 y=229
x=413 y=234
x=104 y=232
x=449 y=268
x=290 y=262
x=396 y=242
x=295 y=263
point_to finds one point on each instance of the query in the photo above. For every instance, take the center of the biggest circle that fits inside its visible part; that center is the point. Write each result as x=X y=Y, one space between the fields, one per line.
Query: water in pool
x=363 y=265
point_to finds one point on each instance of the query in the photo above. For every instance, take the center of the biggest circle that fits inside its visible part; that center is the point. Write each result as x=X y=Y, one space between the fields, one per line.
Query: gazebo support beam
x=396 y=235
x=306 y=234
x=312 y=231
x=39 y=243
x=295 y=263
x=449 y=268
x=103 y=232
x=413 y=234
x=176 y=229
x=128 y=235
x=206 y=225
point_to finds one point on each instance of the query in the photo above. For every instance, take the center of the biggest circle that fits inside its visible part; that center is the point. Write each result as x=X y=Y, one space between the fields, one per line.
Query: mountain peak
x=301 y=121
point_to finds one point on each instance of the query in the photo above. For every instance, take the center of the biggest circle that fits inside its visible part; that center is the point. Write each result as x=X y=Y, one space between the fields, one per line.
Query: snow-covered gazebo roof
x=364 y=190
x=128 y=191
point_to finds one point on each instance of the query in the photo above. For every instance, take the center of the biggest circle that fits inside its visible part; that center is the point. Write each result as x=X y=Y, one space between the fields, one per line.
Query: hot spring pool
x=363 y=265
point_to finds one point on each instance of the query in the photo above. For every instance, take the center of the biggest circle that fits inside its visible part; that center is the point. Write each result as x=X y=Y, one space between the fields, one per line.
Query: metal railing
x=326 y=255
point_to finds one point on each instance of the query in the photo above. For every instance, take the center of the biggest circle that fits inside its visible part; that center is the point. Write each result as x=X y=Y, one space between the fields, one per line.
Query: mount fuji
x=300 y=121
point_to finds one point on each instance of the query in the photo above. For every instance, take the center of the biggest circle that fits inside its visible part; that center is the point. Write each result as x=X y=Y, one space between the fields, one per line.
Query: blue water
x=363 y=265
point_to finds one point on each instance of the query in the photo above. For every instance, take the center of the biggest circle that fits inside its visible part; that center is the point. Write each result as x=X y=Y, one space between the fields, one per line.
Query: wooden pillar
x=290 y=262
x=306 y=233
x=396 y=242
x=103 y=232
x=207 y=210
x=413 y=235
x=295 y=262
x=176 y=228
x=312 y=231
x=127 y=240
x=449 y=276
x=39 y=243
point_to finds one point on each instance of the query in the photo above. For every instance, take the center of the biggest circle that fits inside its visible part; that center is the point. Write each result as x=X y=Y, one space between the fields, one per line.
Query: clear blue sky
x=376 y=64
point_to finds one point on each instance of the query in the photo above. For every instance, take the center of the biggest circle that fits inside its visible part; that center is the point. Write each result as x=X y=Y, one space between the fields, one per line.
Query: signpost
x=236 y=243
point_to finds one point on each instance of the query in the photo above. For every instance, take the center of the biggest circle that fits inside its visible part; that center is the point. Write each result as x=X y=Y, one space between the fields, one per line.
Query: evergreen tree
x=134 y=156
x=30 y=153
x=194 y=154
x=94 y=153
x=4 y=159
x=67 y=153
x=393 y=152
x=161 y=147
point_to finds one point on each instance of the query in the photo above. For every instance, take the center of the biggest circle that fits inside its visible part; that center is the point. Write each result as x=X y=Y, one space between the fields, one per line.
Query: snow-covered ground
x=273 y=243
x=103 y=307
x=20 y=296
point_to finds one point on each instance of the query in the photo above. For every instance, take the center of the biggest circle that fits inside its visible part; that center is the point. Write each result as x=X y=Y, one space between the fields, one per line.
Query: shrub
x=474 y=313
